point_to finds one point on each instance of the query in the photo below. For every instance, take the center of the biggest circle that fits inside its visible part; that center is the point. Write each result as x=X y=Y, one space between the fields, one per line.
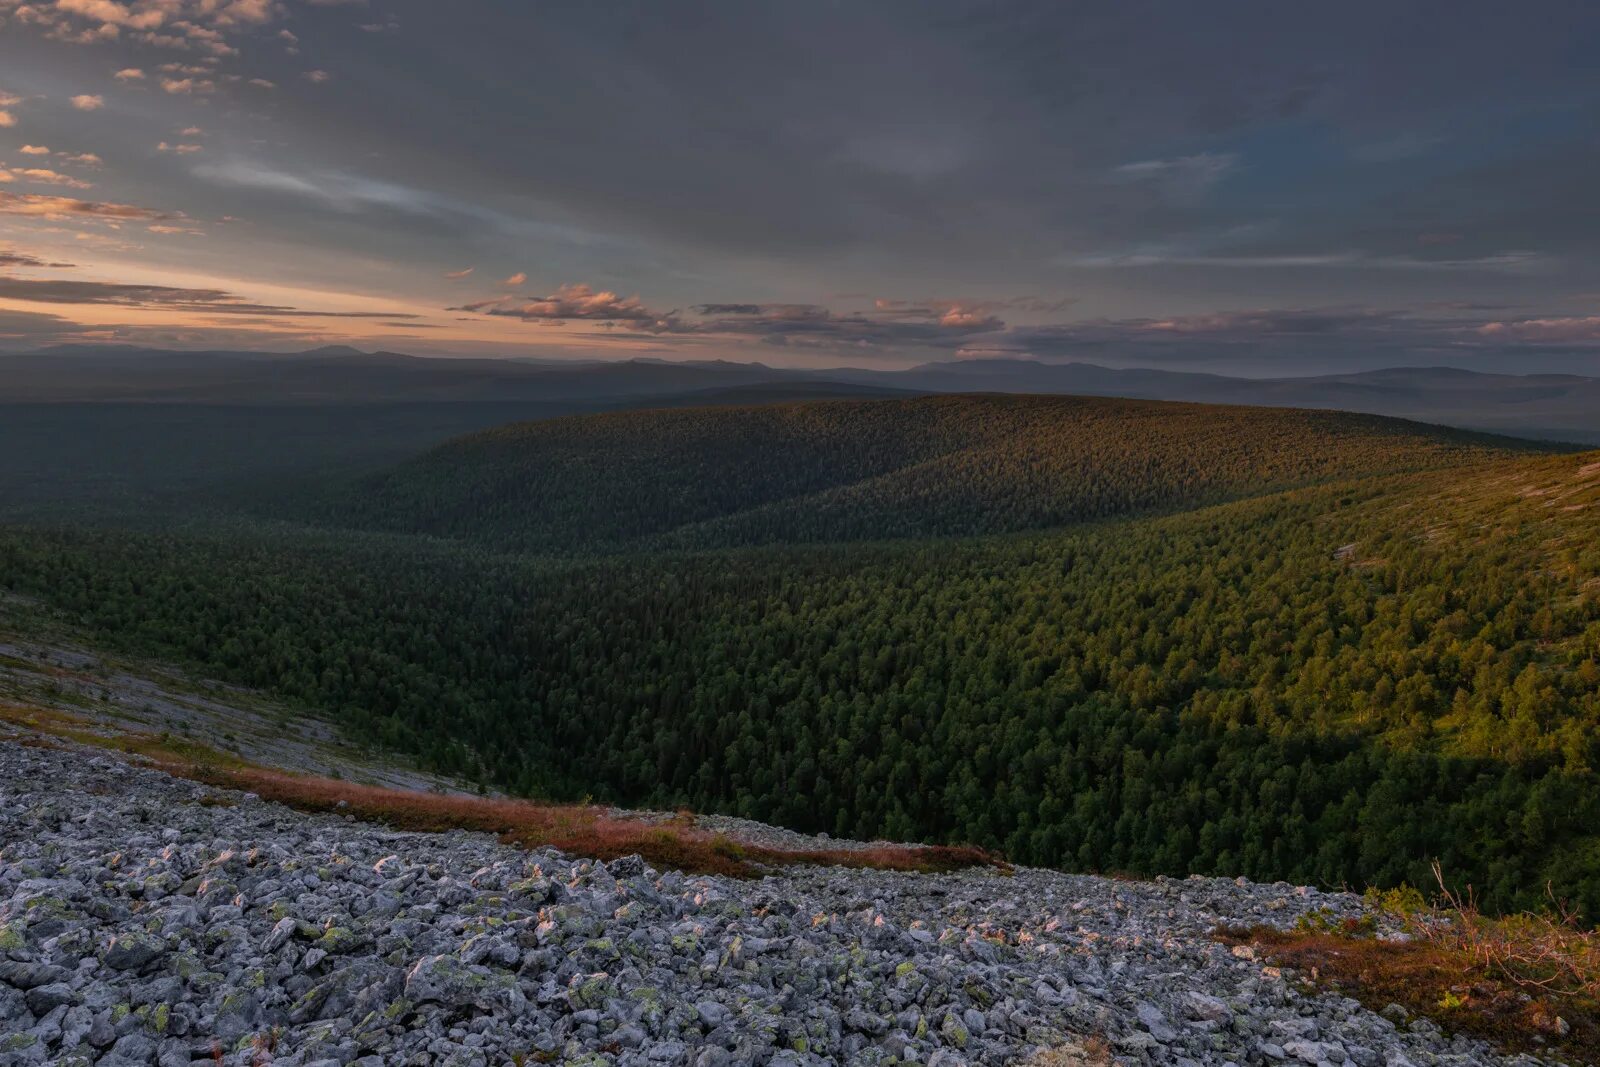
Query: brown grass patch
x=1090 y=1052
x=1527 y=983
x=583 y=830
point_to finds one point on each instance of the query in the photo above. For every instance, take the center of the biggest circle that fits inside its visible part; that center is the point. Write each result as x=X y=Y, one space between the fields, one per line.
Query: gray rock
x=711 y=1013
x=1152 y=1019
x=44 y=999
x=132 y=950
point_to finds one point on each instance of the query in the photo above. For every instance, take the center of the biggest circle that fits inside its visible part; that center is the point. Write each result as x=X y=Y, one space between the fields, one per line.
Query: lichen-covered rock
x=447 y=981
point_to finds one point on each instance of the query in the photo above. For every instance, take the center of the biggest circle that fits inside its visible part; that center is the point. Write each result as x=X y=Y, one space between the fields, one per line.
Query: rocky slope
x=46 y=666
x=147 y=919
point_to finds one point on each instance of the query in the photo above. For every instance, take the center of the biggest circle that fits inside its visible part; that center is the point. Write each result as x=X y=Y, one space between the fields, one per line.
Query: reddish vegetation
x=1435 y=982
x=1526 y=982
x=580 y=829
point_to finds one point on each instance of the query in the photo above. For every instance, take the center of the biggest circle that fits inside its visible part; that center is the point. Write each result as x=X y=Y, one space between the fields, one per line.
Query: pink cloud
x=570 y=302
x=1572 y=330
x=43 y=176
x=38 y=205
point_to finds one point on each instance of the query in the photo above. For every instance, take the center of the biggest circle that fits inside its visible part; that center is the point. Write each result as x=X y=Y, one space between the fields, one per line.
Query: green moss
x=593 y=992
x=338 y=939
x=51 y=907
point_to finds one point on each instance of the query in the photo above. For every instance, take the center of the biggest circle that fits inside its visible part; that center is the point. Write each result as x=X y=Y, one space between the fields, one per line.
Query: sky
x=1240 y=186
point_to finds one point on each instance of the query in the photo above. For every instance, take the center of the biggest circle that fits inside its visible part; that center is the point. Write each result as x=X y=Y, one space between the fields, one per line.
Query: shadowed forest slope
x=870 y=470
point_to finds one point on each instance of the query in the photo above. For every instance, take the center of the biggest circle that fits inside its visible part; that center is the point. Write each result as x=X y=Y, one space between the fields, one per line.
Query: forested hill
x=866 y=470
x=1336 y=684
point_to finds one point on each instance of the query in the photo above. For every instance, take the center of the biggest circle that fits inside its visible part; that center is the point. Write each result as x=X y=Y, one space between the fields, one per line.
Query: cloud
x=516 y=279
x=60 y=207
x=969 y=319
x=957 y=308
x=1510 y=262
x=1181 y=175
x=729 y=309
x=31 y=326
x=42 y=176
x=7 y=102
x=1297 y=340
x=87 y=159
x=34 y=150
x=173 y=298
x=184 y=25
x=129 y=74
x=10 y=257
x=180 y=149
x=569 y=302
x=88 y=102
x=1572 y=330
x=936 y=325
x=317 y=77
x=187 y=86
x=467 y=273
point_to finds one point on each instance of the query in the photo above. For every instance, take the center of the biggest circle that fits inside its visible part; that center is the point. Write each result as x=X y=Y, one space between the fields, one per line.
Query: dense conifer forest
x=1394 y=661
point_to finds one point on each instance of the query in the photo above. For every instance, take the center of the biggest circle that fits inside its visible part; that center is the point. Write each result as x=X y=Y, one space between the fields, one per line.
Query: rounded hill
x=875 y=469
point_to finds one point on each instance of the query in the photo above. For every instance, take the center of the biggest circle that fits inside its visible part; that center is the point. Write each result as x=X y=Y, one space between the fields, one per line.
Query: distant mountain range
x=1557 y=407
